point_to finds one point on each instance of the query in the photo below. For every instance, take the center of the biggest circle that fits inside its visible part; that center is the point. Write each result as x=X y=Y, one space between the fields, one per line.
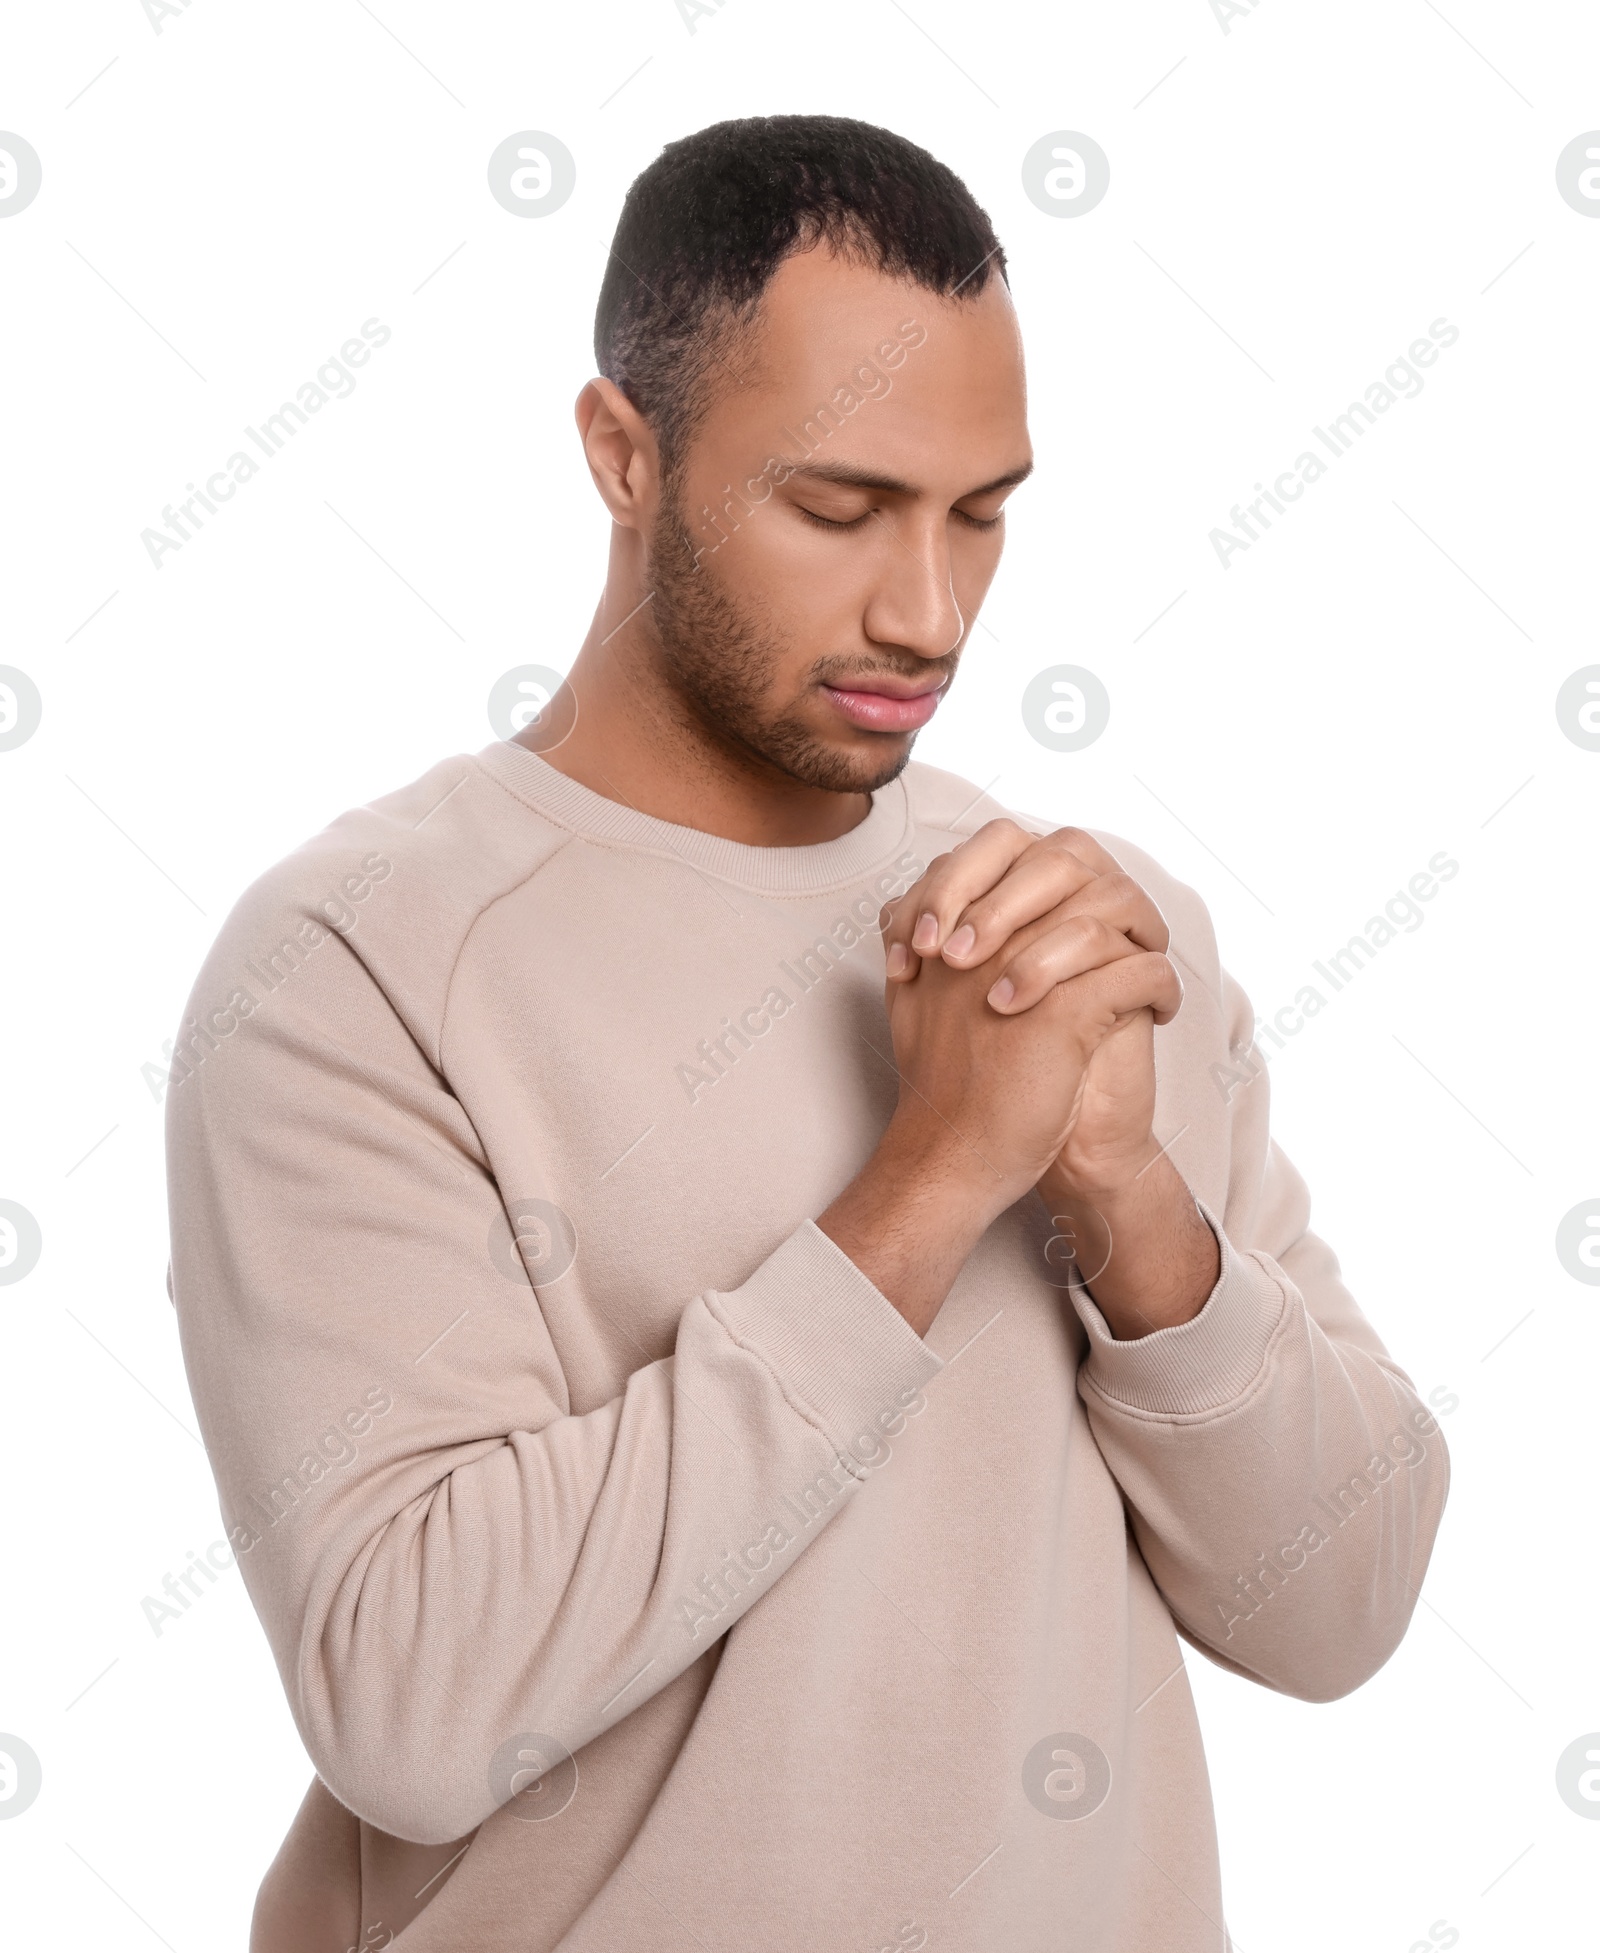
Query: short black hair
x=706 y=225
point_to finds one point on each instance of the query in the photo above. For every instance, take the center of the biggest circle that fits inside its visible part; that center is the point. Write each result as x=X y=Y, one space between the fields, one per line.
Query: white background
x=1372 y=682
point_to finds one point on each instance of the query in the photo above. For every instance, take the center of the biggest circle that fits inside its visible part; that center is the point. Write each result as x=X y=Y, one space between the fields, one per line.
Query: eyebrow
x=841 y=475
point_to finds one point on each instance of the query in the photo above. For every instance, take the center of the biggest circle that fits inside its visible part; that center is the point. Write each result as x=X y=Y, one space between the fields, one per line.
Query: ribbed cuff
x=1197 y=1367
x=835 y=1343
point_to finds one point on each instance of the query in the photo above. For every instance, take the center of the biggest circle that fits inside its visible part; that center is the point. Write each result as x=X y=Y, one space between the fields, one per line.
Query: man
x=724 y=1412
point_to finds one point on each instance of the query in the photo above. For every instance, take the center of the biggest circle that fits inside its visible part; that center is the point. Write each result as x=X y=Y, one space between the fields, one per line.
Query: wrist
x=1103 y=1179
x=923 y=1163
x=911 y=1217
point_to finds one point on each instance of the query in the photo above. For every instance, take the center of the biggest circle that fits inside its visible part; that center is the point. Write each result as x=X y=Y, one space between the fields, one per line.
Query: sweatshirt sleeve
x=1283 y=1480
x=444 y=1556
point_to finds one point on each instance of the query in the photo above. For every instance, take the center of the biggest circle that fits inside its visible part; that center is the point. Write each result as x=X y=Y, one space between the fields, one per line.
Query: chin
x=836 y=768
x=877 y=770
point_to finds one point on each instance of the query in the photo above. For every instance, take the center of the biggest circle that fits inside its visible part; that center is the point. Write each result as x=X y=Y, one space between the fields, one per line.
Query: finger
x=1035 y=885
x=896 y=920
x=1126 y=904
x=1023 y=896
x=922 y=918
x=1088 y=850
x=1068 y=948
x=1116 y=990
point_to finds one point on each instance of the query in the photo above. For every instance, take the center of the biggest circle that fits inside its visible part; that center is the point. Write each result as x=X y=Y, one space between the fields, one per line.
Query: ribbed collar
x=820 y=865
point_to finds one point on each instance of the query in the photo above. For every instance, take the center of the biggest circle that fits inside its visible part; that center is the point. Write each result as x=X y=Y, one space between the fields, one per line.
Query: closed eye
x=978 y=522
x=825 y=522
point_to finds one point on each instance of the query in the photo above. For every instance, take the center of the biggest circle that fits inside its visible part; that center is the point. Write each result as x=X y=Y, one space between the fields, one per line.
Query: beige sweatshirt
x=639 y=1580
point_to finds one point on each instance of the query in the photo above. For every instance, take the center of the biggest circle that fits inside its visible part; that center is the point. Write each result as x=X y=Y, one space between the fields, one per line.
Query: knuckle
x=1003 y=828
x=986 y=914
x=1074 y=860
x=1029 y=982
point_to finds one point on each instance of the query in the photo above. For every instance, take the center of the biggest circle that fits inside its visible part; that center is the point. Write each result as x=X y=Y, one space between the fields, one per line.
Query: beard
x=720 y=655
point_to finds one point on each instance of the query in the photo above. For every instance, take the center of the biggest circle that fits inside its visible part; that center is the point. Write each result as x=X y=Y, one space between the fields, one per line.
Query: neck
x=638 y=741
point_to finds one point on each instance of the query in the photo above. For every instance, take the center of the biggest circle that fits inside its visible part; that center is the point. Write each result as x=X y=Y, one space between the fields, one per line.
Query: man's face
x=812 y=607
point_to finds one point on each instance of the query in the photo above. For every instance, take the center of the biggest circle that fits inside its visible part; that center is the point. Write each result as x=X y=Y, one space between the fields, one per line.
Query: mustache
x=856 y=676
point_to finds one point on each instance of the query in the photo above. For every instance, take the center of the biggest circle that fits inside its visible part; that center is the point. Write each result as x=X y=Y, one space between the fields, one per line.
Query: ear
x=621 y=451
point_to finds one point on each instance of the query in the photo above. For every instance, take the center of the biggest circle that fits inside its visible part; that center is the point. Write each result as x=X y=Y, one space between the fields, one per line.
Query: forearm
x=556 y=1578
x=1144 y=1251
x=909 y=1220
x=1284 y=1488
x=466 y=1550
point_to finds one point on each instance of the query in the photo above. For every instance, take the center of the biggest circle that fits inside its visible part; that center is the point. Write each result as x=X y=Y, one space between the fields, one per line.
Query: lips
x=887 y=704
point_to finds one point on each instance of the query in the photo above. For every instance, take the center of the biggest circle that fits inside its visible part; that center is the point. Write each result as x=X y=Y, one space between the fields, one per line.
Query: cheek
x=803 y=577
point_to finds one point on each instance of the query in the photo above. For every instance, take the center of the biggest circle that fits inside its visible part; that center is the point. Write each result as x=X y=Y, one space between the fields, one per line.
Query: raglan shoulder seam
x=484 y=907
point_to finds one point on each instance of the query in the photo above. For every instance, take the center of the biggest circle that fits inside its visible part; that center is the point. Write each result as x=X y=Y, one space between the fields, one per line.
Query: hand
x=1009 y=966
x=1047 y=910
x=990 y=1091
x=1110 y=1188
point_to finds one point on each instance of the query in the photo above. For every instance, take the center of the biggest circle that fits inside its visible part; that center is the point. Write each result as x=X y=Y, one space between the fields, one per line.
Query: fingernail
x=899 y=956
x=961 y=941
x=1002 y=993
x=926 y=933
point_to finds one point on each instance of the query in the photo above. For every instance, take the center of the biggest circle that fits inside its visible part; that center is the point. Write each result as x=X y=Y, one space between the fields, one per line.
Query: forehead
x=939 y=381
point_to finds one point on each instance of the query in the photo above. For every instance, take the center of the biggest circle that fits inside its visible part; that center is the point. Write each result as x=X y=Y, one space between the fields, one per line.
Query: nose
x=913 y=601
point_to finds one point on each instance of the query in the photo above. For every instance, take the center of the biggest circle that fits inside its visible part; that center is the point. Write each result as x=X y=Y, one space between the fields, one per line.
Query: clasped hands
x=1024 y=979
